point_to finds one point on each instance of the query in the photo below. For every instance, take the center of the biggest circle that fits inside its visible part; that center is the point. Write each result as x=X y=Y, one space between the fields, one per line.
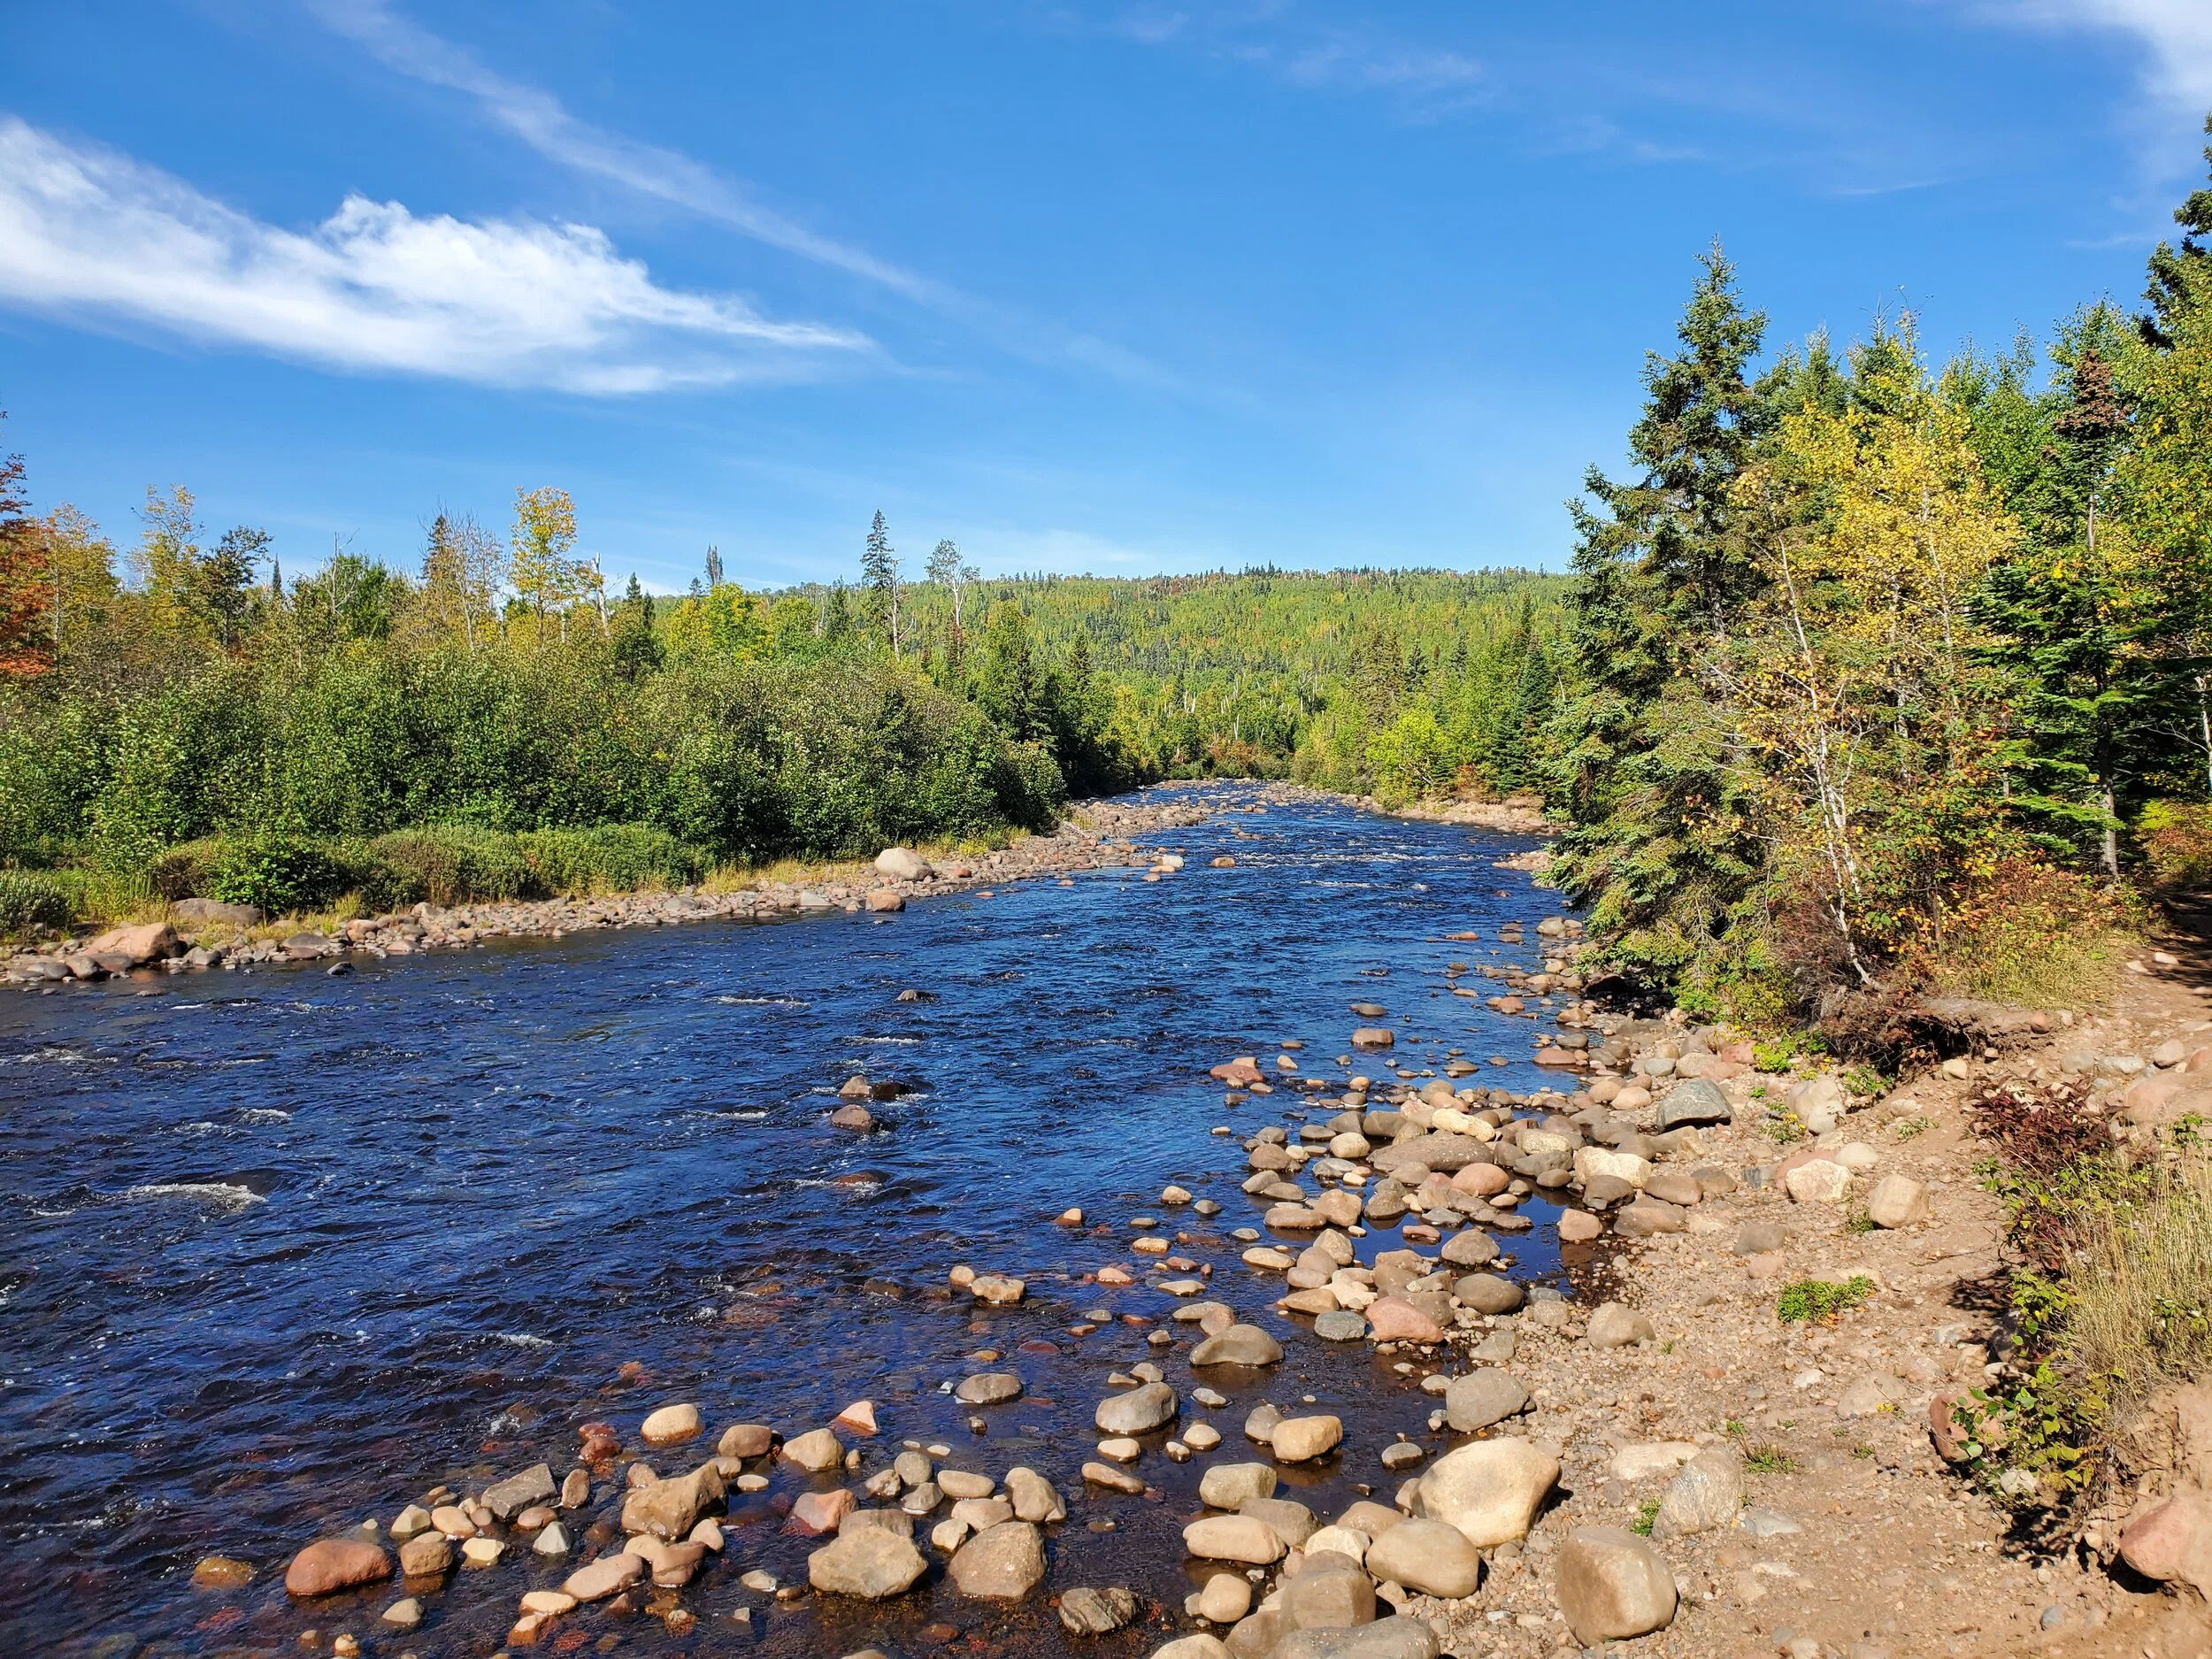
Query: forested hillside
x=1885 y=671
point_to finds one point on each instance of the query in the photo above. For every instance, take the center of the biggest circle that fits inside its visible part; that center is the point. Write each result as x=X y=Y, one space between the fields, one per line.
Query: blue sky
x=1124 y=288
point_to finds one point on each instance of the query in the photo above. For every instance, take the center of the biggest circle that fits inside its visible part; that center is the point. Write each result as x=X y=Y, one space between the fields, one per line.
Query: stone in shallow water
x=1300 y=1439
x=1242 y=1537
x=1089 y=1612
x=1140 y=1411
x=1339 y=1326
x=1112 y=1479
x=988 y=1388
x=335 y=1564
x=868 y=1563
x=1033 y=1497
x=669 y=1425
x=508 y=1498
x=1239 y=1344
x=1225 y=1485
x=1000 y=1562
x=816 y=1451
x=1482 y=1398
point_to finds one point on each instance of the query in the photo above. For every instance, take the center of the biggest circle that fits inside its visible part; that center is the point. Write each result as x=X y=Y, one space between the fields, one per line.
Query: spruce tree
x=1639 y=758
x=2085 y=693
x=879 y=574
x=2171 y=289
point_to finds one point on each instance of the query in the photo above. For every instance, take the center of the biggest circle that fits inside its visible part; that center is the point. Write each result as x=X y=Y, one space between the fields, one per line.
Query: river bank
x=198 y=935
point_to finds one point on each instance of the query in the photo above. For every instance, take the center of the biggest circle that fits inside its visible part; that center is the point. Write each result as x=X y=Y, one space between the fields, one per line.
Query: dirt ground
x=1878 y=1547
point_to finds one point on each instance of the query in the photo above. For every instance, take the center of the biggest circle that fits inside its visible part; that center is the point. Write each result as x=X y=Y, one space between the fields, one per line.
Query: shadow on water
x=283 y=1251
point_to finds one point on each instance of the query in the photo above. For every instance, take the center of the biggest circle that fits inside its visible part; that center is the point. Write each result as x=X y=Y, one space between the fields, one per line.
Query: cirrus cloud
x=92 y=235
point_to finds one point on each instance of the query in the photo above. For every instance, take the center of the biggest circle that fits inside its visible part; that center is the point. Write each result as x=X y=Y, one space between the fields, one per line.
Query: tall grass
x=2140 y=1286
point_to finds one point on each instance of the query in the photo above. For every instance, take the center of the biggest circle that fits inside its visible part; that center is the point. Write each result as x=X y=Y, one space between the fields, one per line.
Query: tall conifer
x=1642 y=762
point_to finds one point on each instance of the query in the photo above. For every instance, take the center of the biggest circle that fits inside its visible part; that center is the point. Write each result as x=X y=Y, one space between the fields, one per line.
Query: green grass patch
x=1816 y=1300
x=1769 y=1460
x=1646 y=1514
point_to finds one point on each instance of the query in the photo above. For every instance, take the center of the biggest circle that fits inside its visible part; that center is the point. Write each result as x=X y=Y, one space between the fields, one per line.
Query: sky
x=1123 y=288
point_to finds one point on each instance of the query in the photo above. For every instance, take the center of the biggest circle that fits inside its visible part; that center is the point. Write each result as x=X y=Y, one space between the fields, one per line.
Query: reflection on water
x=283 y=1251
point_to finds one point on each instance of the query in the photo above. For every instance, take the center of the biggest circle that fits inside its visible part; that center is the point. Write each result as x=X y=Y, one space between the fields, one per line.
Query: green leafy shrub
x=1768 y=1460
x=2175 y=840
x=1818 y=1300
x=448 y=865
x=32 y=898
x=609 y=858
x=184 y=872
x=280 y=872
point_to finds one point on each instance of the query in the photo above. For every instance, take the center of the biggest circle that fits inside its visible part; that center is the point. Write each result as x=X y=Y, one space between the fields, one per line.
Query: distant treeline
x=178 y=709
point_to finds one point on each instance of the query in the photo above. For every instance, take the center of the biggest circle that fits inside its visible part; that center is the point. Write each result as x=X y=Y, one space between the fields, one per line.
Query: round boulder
x=1489 y=1490
x=1244 y=1538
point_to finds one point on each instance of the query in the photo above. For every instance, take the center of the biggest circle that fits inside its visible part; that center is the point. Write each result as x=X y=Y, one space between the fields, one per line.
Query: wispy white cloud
x=2177 y=34
x=1426 y=81
x=540 y=120
x=95 y=235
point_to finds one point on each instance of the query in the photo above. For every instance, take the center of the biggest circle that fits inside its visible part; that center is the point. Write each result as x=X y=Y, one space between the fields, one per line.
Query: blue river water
x=281 y=1251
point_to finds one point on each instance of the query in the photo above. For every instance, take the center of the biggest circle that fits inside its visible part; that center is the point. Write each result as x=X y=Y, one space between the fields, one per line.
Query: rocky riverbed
x=1423 y=1308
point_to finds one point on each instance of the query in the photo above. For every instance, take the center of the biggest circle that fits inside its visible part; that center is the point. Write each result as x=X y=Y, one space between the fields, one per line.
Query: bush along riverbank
x=203 y=933
x=1791 y=1393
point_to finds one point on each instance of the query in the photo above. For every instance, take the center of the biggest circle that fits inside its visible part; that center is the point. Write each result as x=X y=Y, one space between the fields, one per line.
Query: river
x=284 y=1250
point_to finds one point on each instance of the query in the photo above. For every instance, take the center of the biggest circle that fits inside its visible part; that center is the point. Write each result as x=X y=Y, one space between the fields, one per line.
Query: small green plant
x=1862 y=1079
x=1774 y=1056
x=1908 y=1128
x=1855 y=1216
x=1818 y=1300
x=1646 y=1514
x=1769 y=1460
x=1734 y=1428
x=1861 y=1451
x=1783 y=1126
x=1667 y=1347
x=31 y=898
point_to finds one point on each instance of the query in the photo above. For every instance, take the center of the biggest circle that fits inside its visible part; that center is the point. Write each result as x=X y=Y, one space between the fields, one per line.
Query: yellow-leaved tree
x=545 y=579
x=1862 y=703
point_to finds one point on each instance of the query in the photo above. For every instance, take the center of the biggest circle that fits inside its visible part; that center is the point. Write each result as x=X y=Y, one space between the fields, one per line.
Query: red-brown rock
x=1395 y=1319
x=331 y=1564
